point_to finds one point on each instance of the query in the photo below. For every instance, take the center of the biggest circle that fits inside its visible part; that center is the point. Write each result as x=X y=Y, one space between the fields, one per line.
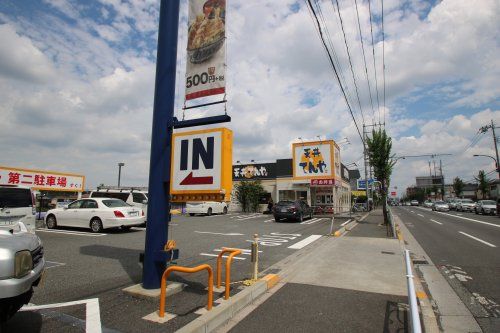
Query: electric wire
x=373 y=51
x=334 y=69
x=383 y=56
x=364 y=61
x=335 y=56
x=350 y=60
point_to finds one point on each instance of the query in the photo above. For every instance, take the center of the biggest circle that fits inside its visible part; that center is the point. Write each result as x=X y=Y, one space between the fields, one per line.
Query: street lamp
x=120 y=164
x=494 y=159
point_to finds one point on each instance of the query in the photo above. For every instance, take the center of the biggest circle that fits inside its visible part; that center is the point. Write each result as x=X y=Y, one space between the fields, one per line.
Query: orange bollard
x=163 y=288
x=234 y=252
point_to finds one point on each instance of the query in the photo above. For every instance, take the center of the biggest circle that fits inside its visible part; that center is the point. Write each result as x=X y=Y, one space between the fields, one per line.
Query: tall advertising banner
x=206 y=56
x=314 y=160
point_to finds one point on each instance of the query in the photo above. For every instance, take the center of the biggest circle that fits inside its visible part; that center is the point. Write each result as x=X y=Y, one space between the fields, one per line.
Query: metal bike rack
x=170 y=269
x=233 y=253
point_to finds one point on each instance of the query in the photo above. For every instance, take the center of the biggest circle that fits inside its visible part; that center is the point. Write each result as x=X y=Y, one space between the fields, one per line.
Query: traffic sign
x=362 y=183
x=201 y=165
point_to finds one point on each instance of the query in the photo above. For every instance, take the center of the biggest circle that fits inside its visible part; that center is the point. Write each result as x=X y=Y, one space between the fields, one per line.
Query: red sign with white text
x=42 y=180
x=322 y=182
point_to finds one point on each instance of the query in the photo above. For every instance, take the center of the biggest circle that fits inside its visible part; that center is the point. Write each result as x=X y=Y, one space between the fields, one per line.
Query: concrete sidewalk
x=352 y=283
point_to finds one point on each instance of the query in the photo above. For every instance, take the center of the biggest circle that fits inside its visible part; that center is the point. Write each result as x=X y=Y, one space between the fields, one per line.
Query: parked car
x=17 y=204
x=428 y=204
x=292 y=210
x=206 y=207
x=466 y=205
x=131 y=196
x=440 y=206
x=21 y=267
x=96 y=214
x=486 y=207
x=453 y=203
x=414 y=203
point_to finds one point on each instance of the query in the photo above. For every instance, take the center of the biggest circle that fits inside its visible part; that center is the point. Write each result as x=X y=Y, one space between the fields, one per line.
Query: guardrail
x=414 y=316
x=233 y=253
x=170 y=269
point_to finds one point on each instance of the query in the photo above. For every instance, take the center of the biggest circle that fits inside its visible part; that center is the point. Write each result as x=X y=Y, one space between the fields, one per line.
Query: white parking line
x=436 y=221
x=343 y=224
x=267 y=221
x=77 y=233
x=420 y=215
x=219 y=233
x=479 y=240
x=469 y=219
x=216 y=255
x=92 y=318
x=312 y=221
x=304 y=242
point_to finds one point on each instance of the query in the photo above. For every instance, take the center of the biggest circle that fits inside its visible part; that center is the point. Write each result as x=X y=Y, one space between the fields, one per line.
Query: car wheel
x=209 y=212
x=224 y=211
x=277 y=219
x=51 y=222
x=300 y=218
x=475 y=211
x=10 y=307
x=310 y=215
x=191 y=214
x=96 y=224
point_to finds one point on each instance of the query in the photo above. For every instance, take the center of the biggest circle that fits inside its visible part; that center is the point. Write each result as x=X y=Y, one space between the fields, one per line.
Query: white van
x=133 y=197
x=207 y=207
x=17 y=204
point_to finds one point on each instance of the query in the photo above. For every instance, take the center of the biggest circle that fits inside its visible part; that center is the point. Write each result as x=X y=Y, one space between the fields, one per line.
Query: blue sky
x=77 y=81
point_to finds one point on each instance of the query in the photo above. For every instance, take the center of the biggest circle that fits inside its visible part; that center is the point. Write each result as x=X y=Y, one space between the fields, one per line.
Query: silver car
x=440 y=206
x=486 y=207
x=466 y=205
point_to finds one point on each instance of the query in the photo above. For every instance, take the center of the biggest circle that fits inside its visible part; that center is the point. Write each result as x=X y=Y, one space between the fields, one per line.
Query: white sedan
x=96 y=214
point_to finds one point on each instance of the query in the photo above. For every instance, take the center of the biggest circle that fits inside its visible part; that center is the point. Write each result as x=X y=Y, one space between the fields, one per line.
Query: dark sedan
x=292 y=210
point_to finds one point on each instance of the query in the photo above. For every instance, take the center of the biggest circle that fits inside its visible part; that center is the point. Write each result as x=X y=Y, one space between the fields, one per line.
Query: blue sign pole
x=161 y=137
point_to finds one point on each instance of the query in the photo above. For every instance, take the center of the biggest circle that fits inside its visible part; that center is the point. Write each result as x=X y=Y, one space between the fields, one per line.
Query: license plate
x=283 y=210
x=134 y=214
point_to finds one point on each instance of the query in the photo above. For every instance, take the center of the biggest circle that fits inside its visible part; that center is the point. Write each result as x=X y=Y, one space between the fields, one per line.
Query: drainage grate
x=420 y=262
x=387 y=252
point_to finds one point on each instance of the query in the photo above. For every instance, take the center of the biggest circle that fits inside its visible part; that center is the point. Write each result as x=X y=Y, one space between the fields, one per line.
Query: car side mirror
x=145 y=202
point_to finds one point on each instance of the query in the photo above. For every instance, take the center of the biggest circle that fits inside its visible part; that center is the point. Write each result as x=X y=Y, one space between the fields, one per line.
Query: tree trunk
x=384 y=204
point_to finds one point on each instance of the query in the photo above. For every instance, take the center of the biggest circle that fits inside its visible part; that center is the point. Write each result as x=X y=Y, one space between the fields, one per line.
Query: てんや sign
x=201 y=165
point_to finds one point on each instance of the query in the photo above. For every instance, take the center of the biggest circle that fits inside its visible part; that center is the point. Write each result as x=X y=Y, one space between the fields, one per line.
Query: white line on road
x=77 y=233
x=92 y=318
x=219 y=233
x=244 y=251
x=343 y=224
x=420 y=215
x=412 y=211
x=216 y=255
x=468 y=219
x=304 y=242
x=479 y=240
x=267 y=221
x=436 y=221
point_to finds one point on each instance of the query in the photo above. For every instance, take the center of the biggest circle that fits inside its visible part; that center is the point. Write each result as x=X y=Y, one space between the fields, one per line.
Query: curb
x=429 y=320
x=349 y=226
x=229 y=308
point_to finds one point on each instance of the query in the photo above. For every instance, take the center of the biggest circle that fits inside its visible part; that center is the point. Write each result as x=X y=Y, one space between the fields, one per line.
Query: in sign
x=199 y=162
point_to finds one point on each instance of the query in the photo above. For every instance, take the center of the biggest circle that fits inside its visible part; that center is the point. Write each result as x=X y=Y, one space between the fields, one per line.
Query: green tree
x=483 y=183
x=458 y=186
x=379 y=148
x=248 y=194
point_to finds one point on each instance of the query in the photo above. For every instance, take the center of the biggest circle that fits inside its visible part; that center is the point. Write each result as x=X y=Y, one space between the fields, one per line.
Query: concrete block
x=258 y=289
x=241 y=300
x=271 y=279
x=137 y=290
x=155 y=317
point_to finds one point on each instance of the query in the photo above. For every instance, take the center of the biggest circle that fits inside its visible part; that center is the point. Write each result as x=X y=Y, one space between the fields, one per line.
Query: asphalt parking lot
x=82 y=289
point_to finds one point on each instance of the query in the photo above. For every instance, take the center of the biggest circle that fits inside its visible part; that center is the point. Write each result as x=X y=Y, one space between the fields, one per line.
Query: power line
x=383 y=53
x=334 y=69
x=373 y=51
x=364 y=61
x=350 y=61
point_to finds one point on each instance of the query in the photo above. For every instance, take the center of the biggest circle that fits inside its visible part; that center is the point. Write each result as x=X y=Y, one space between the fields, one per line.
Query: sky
x=77 y=83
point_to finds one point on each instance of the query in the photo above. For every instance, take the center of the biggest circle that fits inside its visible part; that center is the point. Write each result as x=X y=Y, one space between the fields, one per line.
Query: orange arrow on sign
x=190 y=180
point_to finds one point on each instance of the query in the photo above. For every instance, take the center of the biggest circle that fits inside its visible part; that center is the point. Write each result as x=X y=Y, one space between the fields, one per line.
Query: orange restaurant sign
x=42 y=180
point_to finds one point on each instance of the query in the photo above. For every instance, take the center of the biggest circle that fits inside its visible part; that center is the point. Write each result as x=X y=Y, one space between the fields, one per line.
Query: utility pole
x=442 y=178
x=366 y=166
x=484 y=129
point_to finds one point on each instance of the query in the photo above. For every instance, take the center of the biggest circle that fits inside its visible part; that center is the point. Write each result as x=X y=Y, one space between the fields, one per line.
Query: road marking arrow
x=190 y=180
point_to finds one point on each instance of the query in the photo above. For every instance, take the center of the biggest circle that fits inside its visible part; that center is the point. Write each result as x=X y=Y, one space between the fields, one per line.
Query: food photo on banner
x=205 y=66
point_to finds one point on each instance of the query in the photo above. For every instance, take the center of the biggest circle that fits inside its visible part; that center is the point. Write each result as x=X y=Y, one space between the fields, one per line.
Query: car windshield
x=489 y=202
x=12 y=197
x=115 y=203
x=284 y=203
